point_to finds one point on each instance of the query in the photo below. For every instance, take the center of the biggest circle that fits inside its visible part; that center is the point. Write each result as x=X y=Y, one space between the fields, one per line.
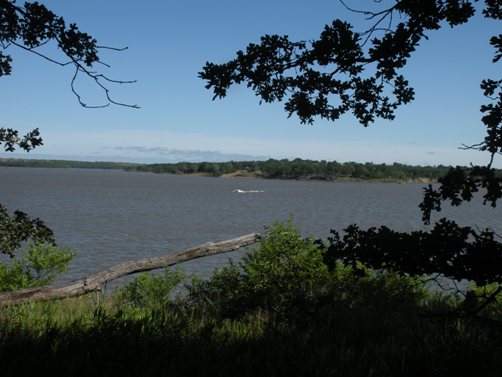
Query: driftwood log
x=94 y=282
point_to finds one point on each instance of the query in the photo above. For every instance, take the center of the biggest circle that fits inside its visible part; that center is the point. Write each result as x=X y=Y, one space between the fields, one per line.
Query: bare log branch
x=94 y=282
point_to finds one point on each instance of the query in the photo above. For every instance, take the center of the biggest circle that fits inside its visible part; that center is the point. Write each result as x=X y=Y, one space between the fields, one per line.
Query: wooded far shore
x=296 y=169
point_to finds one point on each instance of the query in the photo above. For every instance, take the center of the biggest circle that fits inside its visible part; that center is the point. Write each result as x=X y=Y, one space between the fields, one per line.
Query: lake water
x=111 y=216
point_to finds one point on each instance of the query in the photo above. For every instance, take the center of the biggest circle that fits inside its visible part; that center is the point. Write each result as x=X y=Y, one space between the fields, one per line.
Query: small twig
x=432 y=279
x=79 y=98
x=41 y=55
x=374 y=28
x=370 y=14
x=457 y=289
x=103 y=63
x=95 y=76
x=473 y=146
x=355 y=10
x=495 y=233
x=100 y=75
x=112 y=48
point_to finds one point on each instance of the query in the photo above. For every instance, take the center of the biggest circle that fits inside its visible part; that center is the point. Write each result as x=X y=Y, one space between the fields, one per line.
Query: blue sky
x=169 y=42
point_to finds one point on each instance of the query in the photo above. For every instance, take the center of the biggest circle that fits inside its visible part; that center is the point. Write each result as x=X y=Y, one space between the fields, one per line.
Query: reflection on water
x=111 y=216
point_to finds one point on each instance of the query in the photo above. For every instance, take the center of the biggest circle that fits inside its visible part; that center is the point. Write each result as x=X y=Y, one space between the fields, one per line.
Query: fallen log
x=94 y=282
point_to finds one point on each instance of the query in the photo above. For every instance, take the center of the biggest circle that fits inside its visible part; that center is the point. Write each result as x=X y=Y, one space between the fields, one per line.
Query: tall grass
x=255 y=318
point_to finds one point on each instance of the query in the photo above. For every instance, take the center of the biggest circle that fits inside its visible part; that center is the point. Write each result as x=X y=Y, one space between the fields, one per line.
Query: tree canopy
x=346 y=70
x=360 y=72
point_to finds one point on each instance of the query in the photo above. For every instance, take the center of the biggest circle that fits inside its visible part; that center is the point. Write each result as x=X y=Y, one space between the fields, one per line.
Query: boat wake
x=239 y=191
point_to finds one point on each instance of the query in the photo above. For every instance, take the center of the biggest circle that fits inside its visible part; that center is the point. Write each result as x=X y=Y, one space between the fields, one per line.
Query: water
x=111 y=216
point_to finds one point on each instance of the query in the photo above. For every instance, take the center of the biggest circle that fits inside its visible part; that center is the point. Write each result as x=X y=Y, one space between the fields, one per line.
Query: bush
x=38 y=265
x=151 y=290
x=279 y=277
x=285 y=280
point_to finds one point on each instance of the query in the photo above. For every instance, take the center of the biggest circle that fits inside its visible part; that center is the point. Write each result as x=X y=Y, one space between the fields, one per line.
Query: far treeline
x=271 y=169
x=301 y=169
x=63 y=164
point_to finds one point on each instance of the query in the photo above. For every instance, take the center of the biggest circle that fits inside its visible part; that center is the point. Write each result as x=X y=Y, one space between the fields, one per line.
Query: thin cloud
x=176 y=155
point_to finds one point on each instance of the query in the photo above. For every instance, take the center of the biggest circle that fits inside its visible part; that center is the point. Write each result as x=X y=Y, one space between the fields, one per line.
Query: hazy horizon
x=212 y=157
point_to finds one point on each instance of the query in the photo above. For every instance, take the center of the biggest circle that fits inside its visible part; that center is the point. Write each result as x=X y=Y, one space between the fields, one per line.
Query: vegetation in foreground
x=279 y=311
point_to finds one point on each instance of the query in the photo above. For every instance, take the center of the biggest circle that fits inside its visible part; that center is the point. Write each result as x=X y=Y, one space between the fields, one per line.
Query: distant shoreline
x=177 y=169
x=423 y=180
x=63 y=164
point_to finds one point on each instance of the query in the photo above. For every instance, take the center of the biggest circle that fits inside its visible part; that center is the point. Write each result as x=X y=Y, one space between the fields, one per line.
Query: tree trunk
x=93 y=283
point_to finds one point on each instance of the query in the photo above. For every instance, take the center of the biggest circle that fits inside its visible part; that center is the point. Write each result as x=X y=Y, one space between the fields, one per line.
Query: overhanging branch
x=32 y=25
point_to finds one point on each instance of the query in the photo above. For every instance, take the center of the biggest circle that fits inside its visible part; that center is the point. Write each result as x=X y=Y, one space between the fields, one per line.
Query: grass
x=256 y=318
x=80 y=337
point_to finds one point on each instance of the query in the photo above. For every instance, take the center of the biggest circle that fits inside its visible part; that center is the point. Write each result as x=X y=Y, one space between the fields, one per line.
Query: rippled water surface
x=111 y=216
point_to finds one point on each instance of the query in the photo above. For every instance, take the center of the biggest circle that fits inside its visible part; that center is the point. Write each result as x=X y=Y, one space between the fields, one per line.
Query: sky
x=168 y=44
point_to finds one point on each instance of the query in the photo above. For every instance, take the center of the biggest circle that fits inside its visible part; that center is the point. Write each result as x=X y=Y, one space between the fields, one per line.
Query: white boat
x=239 y=191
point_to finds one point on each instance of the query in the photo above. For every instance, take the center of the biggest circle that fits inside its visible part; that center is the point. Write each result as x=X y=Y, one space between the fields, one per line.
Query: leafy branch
x=32 y=26
x=328 y=77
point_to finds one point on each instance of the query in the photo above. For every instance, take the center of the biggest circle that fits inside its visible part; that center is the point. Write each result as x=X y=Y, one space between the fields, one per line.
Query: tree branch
x=34 y=26
x=96 y=76
x=465 y=312
x=93 y=283
x=33 y=51
x=368 y=13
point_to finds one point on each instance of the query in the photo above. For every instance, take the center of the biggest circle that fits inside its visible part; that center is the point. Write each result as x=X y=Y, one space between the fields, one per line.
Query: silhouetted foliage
x=18 y=228
x=10 y=138
x=460 y=184
x=456 y=252
x=307 y=75
x=359 y=72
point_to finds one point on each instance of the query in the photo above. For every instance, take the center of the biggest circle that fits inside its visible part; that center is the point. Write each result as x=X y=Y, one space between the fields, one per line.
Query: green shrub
x=151 y=290
x=284 y=279
x=285 y=272
x=281 y=276
x=37 y=265
x=487 y=297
